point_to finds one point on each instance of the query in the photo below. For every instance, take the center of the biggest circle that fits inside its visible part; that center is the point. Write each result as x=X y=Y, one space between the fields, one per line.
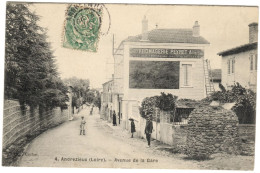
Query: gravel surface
x=107 y=146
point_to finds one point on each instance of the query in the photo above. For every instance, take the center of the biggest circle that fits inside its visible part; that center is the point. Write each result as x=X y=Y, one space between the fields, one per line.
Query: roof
x=185 y=103
x=253 y=24
x=242 y=48
x=216 y=74
x=107 y=82
x=169 y=36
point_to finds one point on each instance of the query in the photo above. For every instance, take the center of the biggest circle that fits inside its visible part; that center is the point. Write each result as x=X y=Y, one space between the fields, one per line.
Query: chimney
x=253 y=32
x=144 y=29
x=196 y=29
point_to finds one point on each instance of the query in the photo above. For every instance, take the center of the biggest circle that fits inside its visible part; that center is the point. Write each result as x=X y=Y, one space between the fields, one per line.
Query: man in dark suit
x=148 y=130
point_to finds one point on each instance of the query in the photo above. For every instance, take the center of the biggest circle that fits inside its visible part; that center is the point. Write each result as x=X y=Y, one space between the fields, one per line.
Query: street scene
x=171 y=87
x=58 y=147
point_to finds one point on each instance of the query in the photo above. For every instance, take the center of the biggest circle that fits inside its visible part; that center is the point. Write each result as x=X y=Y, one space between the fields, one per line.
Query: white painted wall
x=196 y=91
x=242 y=74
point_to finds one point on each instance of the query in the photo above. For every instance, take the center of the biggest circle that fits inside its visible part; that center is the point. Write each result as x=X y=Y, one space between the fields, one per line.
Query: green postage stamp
x=82 y=27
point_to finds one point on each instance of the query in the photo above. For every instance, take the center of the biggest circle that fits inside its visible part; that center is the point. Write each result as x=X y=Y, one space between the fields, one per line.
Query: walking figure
x=148 y=130
x=132 y=128
x=82 y=126
x=91 y=111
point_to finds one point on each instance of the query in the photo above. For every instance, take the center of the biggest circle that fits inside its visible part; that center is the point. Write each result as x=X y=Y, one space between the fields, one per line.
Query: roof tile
x=170 y=36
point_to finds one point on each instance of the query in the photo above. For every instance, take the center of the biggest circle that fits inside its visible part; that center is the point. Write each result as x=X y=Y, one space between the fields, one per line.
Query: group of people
x=147 y=131
x=114 y=118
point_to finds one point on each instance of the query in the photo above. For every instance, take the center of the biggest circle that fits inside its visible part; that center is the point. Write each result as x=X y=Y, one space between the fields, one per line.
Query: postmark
x=82 y=27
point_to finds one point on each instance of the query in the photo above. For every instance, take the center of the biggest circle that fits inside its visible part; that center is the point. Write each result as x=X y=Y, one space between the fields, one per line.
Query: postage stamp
x=82 y=27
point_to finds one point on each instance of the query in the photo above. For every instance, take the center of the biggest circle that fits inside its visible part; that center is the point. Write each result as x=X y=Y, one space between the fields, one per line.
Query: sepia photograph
x=134 y=86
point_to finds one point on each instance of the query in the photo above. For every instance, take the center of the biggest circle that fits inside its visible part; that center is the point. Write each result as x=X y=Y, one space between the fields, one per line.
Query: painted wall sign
x=154 y=74
x=166 y=53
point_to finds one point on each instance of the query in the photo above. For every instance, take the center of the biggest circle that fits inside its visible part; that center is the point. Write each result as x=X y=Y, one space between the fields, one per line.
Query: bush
x=245 y=102
x=148 y=106
x=164 y=102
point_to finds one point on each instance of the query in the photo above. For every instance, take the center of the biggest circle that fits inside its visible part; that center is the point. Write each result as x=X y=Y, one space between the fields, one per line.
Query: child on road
x=82 y=126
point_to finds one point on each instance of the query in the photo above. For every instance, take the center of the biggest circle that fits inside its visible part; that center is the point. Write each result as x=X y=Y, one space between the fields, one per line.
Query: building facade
x=69 y=103
x=239 y=64
x=160 y=60
x=107 y=101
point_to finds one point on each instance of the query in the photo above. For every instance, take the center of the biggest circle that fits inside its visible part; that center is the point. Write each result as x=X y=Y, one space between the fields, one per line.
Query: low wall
x=18 y=124
x=170 y=134
x=179 y=135
x=247 y=135
x=176 y=135
x=156 y=129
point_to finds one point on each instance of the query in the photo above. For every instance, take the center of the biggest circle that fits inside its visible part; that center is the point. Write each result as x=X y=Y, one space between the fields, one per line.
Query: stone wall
x=19 y=125
x=247 y=137
x=212 y=130
x=180 y=135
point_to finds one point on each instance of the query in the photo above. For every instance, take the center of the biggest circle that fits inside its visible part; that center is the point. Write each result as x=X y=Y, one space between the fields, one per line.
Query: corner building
x=239 y=64
x=160 y=60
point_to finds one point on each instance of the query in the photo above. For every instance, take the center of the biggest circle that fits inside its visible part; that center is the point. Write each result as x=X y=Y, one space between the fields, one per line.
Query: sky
x=223 y=26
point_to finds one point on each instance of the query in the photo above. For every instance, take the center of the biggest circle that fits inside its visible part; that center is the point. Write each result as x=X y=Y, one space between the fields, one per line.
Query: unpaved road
x=106 y=146
x=102 y=146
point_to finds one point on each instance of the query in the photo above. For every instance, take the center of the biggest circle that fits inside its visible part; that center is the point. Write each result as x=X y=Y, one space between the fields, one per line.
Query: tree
x=94 y=96
x=165 y=102
x=80 y=90
x=97 y=99
x=90 y=96
x=245 y=102
x=30 y=72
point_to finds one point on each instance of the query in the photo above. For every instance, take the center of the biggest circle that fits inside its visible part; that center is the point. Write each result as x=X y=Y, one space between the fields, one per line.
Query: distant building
x=216 y=78
x=239 y=64
x=107 y=101
x=160 y=60
x=69 y=103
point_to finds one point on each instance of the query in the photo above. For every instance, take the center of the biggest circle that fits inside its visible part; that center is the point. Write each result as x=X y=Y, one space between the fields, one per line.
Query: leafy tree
x=30 y=71
x=97 y=99
x=165 y=102
x=94 y=96
x=245 y=102
x=90 y=97
x=80 y=90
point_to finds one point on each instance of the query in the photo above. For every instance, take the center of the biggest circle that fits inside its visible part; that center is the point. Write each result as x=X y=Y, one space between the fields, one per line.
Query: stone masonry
x=212 y=130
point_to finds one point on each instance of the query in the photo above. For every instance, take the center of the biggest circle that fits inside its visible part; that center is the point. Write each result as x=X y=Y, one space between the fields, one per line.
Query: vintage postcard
x=130 y=86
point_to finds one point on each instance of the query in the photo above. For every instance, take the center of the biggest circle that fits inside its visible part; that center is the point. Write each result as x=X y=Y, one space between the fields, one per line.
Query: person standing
x=114 y=118
x=132 y=127
x=148 y=130
x=82 y=126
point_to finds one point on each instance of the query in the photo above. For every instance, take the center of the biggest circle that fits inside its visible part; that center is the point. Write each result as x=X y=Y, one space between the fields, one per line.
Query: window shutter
x=228 y=66
x=189 y=70
x=185 y=73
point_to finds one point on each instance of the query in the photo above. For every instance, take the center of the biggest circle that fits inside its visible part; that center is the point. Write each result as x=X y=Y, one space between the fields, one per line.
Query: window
x=251 y=63
x=256 y=62
x=233 y=65
x=228 y=66
x=186 y=74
